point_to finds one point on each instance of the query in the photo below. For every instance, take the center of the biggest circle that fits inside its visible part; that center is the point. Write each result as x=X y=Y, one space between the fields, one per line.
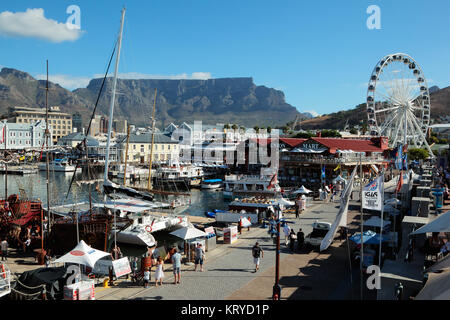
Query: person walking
x=176 y=262
x=159 y=273
x=297 y=207
x=257 y=253
x=146 y=277
x=199 y=257
x=292 y=238
x=287 y=232
x=4 y=249
x=300 y=239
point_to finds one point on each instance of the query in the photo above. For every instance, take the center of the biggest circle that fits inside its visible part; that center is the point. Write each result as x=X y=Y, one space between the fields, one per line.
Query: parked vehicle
x=320 y=229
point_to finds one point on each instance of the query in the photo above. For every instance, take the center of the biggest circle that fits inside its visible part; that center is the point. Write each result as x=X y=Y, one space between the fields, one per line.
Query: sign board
x=372 y=195
x=102 y=266
x=230 y=234
x=209 y=230
x=121 y=267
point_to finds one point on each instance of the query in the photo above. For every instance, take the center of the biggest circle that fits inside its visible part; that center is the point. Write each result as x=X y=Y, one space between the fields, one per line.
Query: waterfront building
x=77 y=122
x=120 y=126
x=60 y=122
x=20 y=136
x=139 y=147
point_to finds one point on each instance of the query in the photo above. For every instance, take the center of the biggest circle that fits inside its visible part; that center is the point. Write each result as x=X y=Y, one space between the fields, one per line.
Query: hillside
x=440 y=106
x=228 y=100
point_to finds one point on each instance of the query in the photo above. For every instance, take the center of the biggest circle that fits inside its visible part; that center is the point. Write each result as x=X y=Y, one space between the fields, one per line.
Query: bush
x=418 y=154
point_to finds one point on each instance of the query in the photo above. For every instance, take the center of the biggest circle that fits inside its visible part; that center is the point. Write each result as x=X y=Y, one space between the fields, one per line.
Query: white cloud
x=137 y=75
x=66 y=81
x=33 y=24
x=313 y=113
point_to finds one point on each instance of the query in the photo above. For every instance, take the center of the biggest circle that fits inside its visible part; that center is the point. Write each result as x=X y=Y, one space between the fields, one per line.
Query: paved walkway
x=229 y=270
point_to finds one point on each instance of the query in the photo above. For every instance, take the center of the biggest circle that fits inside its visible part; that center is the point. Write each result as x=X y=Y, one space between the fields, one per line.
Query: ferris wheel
x=398 y=101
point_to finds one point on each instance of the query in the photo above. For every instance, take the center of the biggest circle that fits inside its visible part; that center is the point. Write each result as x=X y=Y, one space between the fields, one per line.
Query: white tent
x=440 y=224
x=83 y=254
x=436 y=288
x=302 y=190
x=376 y=222
x=187 y=233
x=285 y=202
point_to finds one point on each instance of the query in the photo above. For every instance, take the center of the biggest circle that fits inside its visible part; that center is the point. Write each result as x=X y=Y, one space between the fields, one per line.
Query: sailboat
x=143 y=222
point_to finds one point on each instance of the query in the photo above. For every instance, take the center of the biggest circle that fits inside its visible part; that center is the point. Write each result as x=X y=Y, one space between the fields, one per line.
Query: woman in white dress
x=159 y=273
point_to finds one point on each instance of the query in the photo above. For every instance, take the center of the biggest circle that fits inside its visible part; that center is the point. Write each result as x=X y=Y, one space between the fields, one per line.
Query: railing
x=330 y=160
x=5 y=283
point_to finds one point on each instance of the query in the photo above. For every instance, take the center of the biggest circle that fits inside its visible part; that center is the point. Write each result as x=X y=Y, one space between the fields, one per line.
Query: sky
x=319 y=53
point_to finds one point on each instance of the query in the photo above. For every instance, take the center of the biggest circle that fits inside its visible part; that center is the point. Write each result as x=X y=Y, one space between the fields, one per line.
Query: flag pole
x=361 y=251
x=382 y=216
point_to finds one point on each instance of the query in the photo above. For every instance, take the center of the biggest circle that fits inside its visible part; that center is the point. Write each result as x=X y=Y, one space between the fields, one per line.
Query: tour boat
x=211 y=184
x=251 y=185
x=58 y=165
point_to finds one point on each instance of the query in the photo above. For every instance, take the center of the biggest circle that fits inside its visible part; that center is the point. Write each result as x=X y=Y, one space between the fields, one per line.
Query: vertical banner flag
x=372 y=197
x=323 y=172
x=399 y=157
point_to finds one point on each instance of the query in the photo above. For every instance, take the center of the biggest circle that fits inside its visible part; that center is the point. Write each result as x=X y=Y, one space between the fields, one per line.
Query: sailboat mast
x=47 y=133
x=113 y=97
x=126 y=157
x=149 y=185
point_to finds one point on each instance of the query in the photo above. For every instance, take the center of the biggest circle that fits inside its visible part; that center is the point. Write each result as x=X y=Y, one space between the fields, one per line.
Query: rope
x=33 y=295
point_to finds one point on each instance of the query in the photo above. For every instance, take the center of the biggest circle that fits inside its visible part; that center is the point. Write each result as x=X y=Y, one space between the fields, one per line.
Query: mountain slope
x=228 y=100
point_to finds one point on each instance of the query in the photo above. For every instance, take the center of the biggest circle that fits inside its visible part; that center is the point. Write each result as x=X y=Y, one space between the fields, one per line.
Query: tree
x=269 y=129
x=330 y=133
x=304 y=135
x=353 y=131
x=364 y=129
x=227 y=126
x=234 y=127
x=418 y=154
x=256 y=128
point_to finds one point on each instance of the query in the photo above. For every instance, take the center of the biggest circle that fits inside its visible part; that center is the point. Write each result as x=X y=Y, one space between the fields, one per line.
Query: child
x=159 y=273
x=146 y=277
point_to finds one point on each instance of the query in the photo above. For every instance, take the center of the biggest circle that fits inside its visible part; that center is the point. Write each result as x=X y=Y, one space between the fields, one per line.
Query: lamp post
x=276 y=295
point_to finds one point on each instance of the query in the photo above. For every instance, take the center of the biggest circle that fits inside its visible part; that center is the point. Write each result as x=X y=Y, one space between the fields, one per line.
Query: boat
x=211 y=184
x=212 y=214
x=58 y=165
x=181 y=175
x=251 y=185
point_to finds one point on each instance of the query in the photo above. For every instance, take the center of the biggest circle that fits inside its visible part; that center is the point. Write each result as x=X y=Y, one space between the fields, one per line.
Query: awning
x=443 y=264
x=415 y=220
x=440 y=224
x=375 y=222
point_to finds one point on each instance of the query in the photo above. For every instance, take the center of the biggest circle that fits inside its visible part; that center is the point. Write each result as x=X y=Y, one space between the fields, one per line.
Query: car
x=320 y=229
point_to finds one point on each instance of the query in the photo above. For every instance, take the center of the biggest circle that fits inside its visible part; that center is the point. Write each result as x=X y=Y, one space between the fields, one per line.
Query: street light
x=276 y=295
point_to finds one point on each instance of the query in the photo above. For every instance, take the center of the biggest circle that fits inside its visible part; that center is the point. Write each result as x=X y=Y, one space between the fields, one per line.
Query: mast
x=47 y=154
x=361 y=252
x=113 y=97
x=149 y=185
x=126 y=158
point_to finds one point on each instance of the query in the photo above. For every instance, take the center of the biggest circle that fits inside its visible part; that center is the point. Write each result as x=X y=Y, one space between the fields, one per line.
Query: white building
x=19 y=136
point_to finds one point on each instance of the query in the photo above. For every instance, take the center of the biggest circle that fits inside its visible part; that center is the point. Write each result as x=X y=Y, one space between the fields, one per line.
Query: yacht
x=58 y=165
x=250 y=185
x=187 y=174
x=211 y=184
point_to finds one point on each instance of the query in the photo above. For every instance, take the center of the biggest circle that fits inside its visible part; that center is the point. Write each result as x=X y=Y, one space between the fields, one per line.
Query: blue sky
x=319 y=53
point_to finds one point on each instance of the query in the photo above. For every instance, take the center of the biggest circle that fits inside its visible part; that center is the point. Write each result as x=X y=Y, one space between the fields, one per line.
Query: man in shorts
x=257 y=253
x=176 y=261
x=199 y=257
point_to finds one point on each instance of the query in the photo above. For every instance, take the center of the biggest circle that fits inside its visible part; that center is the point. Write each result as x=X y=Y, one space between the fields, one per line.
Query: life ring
x=147 y=228
x=180 y=219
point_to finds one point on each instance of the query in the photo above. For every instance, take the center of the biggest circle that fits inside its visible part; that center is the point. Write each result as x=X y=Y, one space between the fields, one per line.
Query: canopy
x=83 y=254
x=302 y=189
x=390 y=209
x=376 y=222
x=366 y=236
x=437 y=287
x=443 y=264
x=440 y=224
x=187 y=233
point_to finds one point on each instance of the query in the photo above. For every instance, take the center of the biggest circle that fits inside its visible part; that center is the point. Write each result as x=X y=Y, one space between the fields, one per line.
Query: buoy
x=105 y=283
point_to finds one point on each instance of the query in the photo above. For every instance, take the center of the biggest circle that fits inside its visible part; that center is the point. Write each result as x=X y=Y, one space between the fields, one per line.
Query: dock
x=20 y=170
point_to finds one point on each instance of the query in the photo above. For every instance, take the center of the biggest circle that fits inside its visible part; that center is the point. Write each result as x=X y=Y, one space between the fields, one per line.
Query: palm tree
x=256 y=128
x=234 y=127
x=269 y=129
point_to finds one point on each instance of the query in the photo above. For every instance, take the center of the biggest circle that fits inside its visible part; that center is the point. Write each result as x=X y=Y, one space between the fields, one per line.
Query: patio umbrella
x=83 y=254
x=187 y=233
x=302 y=190
x=437 y=287
x=443 y=264
x=285 y=202
x=440 y=224
x=366 y=236
x=245 y=222
x=376 y=239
